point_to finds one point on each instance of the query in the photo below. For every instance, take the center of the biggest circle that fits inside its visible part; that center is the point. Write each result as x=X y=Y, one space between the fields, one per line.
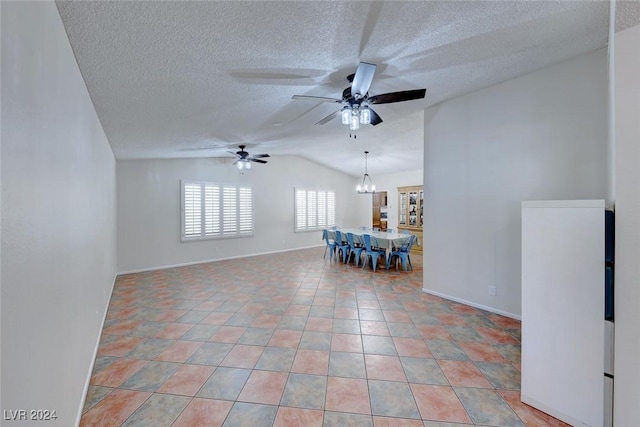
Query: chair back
x=369 y=240
x=376 y=229
x=406 y=245
x=390 y=230
x=325 y=236
x=338 y=238
x=350 y=240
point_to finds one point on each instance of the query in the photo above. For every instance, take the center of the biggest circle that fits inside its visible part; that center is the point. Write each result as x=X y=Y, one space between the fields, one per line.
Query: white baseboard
x=551 y=411
x=95 y=354
x=184 y=264
x=472 y=304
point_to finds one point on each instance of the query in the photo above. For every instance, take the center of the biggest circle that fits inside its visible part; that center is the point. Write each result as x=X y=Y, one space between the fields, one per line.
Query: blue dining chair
x=354 y=249
x=402 y=254
x=370 y=252
x=342 y=246
x=376 y=229
x=390 y=230
x=330 y=245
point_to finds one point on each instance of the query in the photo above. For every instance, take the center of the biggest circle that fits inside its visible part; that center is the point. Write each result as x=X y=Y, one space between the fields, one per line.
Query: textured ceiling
x=193 y=79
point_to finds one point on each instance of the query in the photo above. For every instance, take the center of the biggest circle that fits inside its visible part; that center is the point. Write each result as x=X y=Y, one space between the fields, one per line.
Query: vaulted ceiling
x=195 y=79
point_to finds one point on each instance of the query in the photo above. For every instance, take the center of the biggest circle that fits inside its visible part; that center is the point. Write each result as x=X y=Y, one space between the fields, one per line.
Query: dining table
x=386 y=240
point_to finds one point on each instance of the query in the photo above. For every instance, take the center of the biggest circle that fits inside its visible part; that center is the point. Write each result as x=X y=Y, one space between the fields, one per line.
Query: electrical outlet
x=492 y=291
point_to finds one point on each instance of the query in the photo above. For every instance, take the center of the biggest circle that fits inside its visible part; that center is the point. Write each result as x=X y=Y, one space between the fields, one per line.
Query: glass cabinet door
x=413 y=208
x=402 y=211
x=421 y=208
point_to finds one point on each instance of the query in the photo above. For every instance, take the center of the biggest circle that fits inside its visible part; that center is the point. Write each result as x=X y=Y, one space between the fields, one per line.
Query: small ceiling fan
x=244 y=159
x=356 y=100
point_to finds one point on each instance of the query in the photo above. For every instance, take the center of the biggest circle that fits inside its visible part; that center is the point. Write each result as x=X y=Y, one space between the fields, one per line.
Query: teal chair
x=330 y=245
x=341 y=246
x=371 y=253
x=354 y=249
x=402 y=254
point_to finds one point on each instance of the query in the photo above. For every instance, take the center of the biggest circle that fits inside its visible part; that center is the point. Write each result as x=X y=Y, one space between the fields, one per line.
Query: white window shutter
x=192 y=210
x=229 y=210
x=210 y=210
x=314 y=210
x=331 y=208
x=245 y=210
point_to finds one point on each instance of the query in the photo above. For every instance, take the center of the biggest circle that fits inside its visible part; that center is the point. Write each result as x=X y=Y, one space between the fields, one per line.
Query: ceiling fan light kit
x=356 y=115
x=367 y=186
x=243 y=164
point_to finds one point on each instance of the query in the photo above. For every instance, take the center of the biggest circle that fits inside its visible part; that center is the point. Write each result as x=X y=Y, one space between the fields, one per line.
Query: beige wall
x=537 y=137
x=149 y=208
x=58 y=217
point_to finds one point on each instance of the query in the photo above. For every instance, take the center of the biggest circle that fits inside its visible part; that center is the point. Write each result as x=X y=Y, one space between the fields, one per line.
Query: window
x=315 y=210
x=211 y=210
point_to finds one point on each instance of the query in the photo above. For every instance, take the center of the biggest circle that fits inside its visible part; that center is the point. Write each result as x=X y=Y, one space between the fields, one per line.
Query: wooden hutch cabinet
x=410 y=212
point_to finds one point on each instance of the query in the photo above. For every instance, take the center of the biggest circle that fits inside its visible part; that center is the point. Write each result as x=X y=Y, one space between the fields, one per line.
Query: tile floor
x=292 y=339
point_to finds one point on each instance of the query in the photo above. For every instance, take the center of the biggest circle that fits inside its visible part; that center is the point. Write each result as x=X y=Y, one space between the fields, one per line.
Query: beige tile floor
x=292 y=339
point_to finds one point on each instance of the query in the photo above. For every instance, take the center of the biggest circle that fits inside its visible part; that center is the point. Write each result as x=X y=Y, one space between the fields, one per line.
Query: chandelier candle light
x=366 y=188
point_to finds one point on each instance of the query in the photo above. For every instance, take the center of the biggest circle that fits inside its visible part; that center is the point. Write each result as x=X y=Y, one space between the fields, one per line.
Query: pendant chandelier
x=367 y=185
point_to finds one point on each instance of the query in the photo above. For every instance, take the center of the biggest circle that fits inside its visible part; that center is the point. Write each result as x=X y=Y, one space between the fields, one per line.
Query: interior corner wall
x=627 y=208
x=540 y=136
x=58 y=218
x=149 y=208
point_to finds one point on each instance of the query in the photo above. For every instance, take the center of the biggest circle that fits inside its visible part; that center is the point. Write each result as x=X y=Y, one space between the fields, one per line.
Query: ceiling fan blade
x=237 y=160
x=258 y=156
x=316 y=98
x=328 y=118
x=257 y=160
x=233 y=152
x=363 y=78
x=405 y=95
x=375 y=118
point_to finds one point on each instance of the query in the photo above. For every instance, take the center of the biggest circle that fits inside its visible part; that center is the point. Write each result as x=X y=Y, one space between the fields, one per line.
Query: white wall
x=627 y=250
x=149 y=208
x=540 y=136
x=58 y=217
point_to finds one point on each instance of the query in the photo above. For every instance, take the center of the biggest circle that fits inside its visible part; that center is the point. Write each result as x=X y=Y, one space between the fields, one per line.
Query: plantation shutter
x=210 y=210
x=192 y=210
x=314 y=210
x=245 y=205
